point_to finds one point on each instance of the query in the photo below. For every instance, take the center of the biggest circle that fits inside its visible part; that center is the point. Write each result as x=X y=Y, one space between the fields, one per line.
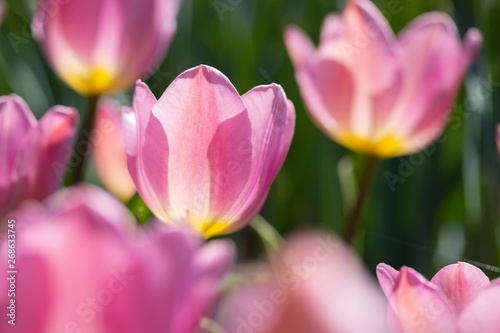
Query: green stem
x=353 y=222
x=270 y=237
x=83 y=147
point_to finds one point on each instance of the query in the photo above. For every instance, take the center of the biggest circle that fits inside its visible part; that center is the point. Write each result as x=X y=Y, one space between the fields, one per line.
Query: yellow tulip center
x=211 y=229
x=386 y=147
x=97 y=81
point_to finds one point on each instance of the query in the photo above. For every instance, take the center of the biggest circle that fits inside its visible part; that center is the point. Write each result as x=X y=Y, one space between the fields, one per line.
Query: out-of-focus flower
x=498 y=138
x=203 y=155
x=98 y=46
x=458 y=299
x=33 y=155
x=375 y=93
x=319 y=285
x=3 y=10
x=109 y=151
x=82 y=267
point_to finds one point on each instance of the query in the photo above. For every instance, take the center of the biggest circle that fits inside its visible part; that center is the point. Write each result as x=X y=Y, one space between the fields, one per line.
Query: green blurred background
x=447 y=207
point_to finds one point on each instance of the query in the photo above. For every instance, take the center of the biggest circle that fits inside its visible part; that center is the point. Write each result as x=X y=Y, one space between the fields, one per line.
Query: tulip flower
x=204 y=156
x=99 y=46
x=109 y=151
x=82 y=268
x=319 y=286
x=33 y=155
x=3 y=10
x=458 y=299
x=374 y=92
x=498 y=138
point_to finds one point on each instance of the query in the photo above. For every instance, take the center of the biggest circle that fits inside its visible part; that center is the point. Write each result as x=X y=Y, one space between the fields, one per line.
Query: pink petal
x=48 y=151
x=100 y=46
x=201 y=107
x=16 y=120
x=498 y=138
x=299 y=46
x=419 y=306
x=435 y=65
x=273 y=121
x=374 y=56
x=482 y=314
x=460 y=283
x=3 y=10
x=146 y=140
x=387 y=277
x=332 y=28
x=319 y=297
x=109 y=149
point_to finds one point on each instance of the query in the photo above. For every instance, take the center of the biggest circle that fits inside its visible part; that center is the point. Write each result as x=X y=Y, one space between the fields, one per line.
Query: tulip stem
x=270 y=237
x=83 y=147
x=353 y=222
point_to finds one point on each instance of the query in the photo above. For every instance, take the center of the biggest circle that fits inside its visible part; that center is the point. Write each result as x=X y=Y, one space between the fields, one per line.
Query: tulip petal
x=460 y=283
x=145 y=140
x=482 y=314
x=271 y=115
x=419 y=306
x=16 y=120
x=330 y=301
x=434 y=68
x=332 y=28
x=47 y=152
x=109 y=151
x=298 y=44
x=387 y=277
x=201 y=103
x=473 y=41
x=373 y=45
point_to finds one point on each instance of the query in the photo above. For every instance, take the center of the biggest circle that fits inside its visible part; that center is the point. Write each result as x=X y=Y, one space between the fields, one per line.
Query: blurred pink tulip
x=109 y=151
x=319 y=286
x=458 y=299
x=375 y=93
x=33 y=155
x=81 y=267
x=98 y=46
x=3 y=10
x=498 y=138
x=203 y=155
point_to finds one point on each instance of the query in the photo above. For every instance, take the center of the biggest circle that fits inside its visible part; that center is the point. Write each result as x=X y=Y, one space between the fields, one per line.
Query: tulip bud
x=33 y=155
x=203 y=155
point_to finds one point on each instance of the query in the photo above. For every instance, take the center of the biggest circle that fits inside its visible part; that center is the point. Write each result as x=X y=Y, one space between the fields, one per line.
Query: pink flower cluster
x=203 y=158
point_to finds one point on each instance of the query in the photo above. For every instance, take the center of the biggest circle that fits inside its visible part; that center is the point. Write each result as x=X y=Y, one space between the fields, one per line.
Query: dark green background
x=444 y=211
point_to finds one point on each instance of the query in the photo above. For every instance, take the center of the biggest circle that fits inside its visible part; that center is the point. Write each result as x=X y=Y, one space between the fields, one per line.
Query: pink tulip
x=98 y=46
x=81 y=267
x=33 y=155
x=319 y=286
x=109 y=151
x=458 y=299
x=377 y=93
x=3 y=10
x=498 y=138
x=203 y=155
